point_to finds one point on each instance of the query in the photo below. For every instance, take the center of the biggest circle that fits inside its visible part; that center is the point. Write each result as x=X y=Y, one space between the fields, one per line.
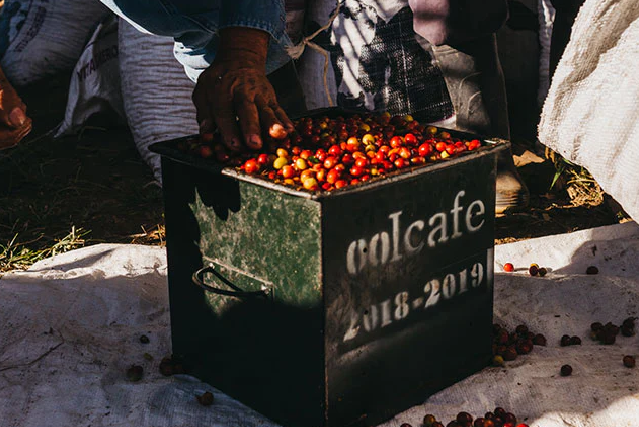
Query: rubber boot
x=475 y=81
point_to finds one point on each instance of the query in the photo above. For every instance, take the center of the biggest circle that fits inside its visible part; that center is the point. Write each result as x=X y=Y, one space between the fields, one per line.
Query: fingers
x=281 y=114
x=11 y=137
x=250 y=124
x=229 y=131
x=209 y=114
x=270 y=122
x=12 y=109
x=202 y=111
x=12 y=114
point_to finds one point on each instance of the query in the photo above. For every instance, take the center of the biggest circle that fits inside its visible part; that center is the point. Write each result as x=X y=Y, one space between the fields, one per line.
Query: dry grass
x=16 y=255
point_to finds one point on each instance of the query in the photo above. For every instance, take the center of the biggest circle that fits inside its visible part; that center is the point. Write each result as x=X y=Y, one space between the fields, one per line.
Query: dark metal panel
x=407 y=280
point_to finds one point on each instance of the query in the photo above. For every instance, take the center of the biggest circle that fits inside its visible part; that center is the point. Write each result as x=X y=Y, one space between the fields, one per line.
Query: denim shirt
x=194 y=25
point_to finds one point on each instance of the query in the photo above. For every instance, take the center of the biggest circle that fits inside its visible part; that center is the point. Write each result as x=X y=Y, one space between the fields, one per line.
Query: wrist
x=243 y=44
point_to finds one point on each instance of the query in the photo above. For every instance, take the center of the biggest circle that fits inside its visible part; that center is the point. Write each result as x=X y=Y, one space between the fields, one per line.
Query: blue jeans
x=194 y=25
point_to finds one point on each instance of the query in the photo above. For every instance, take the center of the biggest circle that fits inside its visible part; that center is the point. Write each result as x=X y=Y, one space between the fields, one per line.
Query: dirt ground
x=97 y=182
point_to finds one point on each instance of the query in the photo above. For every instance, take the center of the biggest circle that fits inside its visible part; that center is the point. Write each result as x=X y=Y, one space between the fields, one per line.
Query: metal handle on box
x=198 y=279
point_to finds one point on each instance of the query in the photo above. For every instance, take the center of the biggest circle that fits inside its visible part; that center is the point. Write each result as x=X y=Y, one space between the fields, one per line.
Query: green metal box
x=331 y=309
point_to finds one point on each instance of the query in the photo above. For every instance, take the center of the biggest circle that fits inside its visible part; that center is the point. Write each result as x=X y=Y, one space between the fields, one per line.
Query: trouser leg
x=475 y=81
x=477 y=89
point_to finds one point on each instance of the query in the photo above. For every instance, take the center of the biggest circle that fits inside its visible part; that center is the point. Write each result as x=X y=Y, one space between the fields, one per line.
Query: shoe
x=511 y=192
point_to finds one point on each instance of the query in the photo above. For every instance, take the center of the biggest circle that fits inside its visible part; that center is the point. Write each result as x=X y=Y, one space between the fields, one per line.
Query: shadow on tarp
x=614 y=250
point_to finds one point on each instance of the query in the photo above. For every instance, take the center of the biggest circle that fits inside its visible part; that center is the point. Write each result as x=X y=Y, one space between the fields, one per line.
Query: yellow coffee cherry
x=280 y=162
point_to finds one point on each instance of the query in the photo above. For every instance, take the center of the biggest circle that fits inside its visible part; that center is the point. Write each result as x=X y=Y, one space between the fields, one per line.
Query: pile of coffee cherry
x=508 y=345
x=330 y=153
x=497 y=418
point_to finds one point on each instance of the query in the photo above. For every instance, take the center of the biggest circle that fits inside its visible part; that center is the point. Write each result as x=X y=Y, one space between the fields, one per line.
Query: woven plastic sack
x=155 y=90
x=376 y=61
x=39 y=38
x=590 y=116
x=95 y=82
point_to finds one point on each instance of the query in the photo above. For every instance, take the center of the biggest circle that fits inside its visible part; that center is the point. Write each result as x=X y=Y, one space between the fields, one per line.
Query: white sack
x=155 y=90
x=95 y=82
x=40 y=38
x=591 y=115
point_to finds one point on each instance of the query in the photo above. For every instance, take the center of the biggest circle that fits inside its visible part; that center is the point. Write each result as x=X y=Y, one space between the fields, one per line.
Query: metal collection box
x=331 y=309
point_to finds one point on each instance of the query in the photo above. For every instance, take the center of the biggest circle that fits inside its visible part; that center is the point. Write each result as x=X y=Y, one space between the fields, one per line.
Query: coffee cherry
x=508 y=267
x=464 y=417
x=627 y=332
x=608 y=338
x=135 y=373
x=612 y=327
x=566 y=370
x=251 y=166
x=565 y=341
x=144 y=339
x=509 y=417
x=539 y=340
x=521 y=329
x=533 y=270
x=595 y=326
x=524 y=347
x=280 y=162
x=629 y=323
x=453 y=424
x=575 y=341
x=166 y=367
x=429 y=420
x=498 y=360
x=263 y=159
x=629 y=361
x=510 y=353
x=542 y=272
x=310 y=184
x=479 y=422
x=425 y=149
x=438 y=424
x=522 y=425
x=206 y=151
x=206 y=399
x=502 y=337
x=406 y=425
x=499 y=412
x=592 y=270
x=288 y=171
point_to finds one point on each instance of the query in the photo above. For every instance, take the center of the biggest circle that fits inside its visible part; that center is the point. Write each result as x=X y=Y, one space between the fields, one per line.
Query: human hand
x=234 y=94
x=14 y=123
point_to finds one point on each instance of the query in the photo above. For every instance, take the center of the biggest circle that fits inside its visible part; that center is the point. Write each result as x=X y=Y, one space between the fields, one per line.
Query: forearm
x=251 y=44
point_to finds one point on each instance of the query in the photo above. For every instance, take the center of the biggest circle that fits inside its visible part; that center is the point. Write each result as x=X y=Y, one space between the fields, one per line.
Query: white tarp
x=71 y=328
